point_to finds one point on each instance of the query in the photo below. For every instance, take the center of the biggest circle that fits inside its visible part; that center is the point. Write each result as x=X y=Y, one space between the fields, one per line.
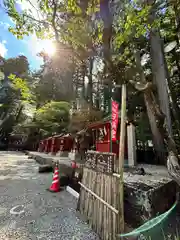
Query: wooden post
x=131 y=141
x=110 y=133
x=121 y=160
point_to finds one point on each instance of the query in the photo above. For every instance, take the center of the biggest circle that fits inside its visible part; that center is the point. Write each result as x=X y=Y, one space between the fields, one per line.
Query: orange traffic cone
x=55 y=186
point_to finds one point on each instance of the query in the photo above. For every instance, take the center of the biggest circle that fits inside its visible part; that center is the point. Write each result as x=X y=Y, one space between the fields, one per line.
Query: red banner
x=114 y=123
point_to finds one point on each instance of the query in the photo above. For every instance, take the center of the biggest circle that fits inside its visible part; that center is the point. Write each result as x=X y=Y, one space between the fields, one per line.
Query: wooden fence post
x=121 y=161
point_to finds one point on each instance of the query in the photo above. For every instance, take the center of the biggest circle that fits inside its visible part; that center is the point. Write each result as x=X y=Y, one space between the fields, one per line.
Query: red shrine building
x=100 y=141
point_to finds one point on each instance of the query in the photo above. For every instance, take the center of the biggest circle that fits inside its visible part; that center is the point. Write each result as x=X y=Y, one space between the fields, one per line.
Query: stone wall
x=146 y=196
x=64 y=165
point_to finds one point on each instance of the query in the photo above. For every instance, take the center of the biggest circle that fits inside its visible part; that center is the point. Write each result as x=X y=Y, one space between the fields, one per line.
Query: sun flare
x=49 y=47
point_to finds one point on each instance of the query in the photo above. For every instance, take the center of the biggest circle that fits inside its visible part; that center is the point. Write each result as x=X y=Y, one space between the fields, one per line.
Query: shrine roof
x=59 y=135
x=104 y=121
x=62 y=135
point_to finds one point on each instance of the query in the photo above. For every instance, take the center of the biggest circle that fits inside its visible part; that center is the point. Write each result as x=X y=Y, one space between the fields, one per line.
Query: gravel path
x=42 y=215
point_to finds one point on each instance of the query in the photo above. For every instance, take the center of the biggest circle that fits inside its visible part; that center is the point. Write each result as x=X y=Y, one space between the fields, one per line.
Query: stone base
x=45 y=168
x=147 y=196
x=64 y=180
x=75 y=157
x=41 y=160
x=64 y=164
x=72 y=156
x=62 y=154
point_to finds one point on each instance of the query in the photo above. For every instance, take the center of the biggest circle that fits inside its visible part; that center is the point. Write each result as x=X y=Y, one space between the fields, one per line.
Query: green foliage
x=17 y=69
x=18 y=65
x=15 y=91
x=21 y=85
x=53 y=117
x=81 y=118
x=134 y=25
x=52 y=83
x=73 y=7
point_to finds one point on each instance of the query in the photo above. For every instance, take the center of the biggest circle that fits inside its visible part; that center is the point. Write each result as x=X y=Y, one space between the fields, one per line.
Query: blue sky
x=10 y=46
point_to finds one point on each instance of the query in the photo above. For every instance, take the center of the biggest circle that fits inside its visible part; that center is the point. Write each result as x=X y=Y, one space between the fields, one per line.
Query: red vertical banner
x=114 y=121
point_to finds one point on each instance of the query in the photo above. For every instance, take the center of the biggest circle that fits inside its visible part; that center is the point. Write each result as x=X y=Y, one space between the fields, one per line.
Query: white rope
x=100 y=199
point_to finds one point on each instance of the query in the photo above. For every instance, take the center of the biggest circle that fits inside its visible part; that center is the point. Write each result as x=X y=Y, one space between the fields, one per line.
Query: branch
x=34 y=7
x=53 y=21
x=142 y=86
x=173 y=167
x=36 y=20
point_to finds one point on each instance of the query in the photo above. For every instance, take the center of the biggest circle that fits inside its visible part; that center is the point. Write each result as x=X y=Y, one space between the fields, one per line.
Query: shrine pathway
x=29 y=211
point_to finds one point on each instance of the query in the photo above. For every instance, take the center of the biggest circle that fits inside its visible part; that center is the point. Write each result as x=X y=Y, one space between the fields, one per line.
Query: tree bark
x=176 y=6
x=158 y=141
x=160 y=76
x=172 y=99
x=83 y=72
x=152 y=110
x=90 y=84
x=107 y=19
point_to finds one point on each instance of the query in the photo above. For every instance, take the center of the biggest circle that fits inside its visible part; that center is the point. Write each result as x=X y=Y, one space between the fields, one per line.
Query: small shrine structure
x=56 y=144
x=101 y=134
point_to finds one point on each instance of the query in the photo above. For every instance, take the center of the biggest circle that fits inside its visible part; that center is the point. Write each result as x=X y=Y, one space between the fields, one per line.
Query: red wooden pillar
x=49 y=144
x=61 y=144
x=53 y=146
x=72 y=144
x=57 y=144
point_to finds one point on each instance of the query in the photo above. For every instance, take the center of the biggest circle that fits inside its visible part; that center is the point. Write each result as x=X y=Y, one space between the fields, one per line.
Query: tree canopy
x=53 y=117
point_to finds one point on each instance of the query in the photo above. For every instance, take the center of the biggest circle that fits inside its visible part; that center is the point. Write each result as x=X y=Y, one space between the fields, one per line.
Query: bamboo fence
x=98 y=200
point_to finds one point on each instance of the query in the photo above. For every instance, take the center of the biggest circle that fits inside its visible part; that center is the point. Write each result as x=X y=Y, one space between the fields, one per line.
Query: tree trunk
x=176 y=6
x=151 y=107
x=175 y=108
x=160 y=76
x=19 y=112
x=83 y=74
x=172 y=99
x=107 y=19
x=157 y=137
x=90 y=84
